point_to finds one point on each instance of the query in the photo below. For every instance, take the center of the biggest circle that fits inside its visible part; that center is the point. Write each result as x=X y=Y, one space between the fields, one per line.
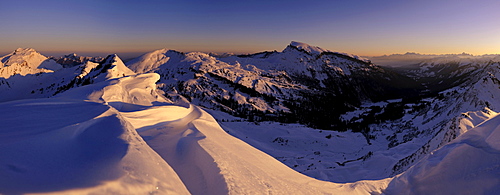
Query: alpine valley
x=304 y=120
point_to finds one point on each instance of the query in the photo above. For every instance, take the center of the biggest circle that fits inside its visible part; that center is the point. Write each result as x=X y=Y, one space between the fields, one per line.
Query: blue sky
x=361 y=27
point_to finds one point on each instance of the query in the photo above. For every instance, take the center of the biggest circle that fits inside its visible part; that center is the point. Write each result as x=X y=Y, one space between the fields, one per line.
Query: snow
x=197 y=146
x=119 y=135
x=315 y=50
x=23 y=62
x=400 y=60
x=118 y=68
x=72 y=145
x=395 y=146
x=50 y=64
x=467 y=165
x=308 y=48
x=149 y=61
x=183 y=150
x=86 y=140
x=26 y=61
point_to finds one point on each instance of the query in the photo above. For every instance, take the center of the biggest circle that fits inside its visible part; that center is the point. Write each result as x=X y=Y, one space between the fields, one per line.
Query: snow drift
x=79 y=144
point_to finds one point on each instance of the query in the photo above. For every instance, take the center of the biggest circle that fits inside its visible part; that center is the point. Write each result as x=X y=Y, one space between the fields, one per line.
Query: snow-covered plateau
x=305 y=120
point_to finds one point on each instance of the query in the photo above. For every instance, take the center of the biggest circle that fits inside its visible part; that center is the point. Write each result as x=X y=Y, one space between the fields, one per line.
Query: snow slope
x=85 y=141
x=467 y=165
x=210 y=161
x=78 y=143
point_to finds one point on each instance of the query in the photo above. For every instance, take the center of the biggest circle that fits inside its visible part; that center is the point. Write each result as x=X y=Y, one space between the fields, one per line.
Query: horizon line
x=140 y=52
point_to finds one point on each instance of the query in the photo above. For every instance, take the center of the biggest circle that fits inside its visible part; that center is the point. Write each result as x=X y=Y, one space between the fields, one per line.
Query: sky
x=360 y=27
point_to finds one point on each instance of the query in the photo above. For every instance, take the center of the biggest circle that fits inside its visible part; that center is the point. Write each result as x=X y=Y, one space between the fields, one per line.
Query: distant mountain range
x=411 y=58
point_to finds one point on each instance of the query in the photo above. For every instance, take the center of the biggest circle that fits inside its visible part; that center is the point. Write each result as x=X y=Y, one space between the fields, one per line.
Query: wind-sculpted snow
x=206 y=158
x=467 y=165
x=75 y=144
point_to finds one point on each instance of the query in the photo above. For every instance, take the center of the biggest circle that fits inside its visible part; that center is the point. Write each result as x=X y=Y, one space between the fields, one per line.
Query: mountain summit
x=307 y=48
x=26 y=61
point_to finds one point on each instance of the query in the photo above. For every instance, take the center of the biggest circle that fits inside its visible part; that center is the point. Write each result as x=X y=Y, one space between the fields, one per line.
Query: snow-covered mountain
x=99 y=121
x=26 y=61
x=47 y=83
x=75 y=59
x=445 y=71
x=292 y=85
x=412 y=58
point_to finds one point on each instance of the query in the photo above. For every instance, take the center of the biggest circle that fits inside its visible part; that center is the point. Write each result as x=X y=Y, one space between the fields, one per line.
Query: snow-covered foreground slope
x=77 y=143
x=85 y=141
x=468 y=165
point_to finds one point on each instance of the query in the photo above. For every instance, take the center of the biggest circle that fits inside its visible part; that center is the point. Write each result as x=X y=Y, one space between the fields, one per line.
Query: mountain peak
x=112 y=57
x=28 y=56
x=307 y=48
x=152 y=60
x=71 y=55
x=26 y=61
x=315 y=50
x=115 y=67
x=24 y=51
